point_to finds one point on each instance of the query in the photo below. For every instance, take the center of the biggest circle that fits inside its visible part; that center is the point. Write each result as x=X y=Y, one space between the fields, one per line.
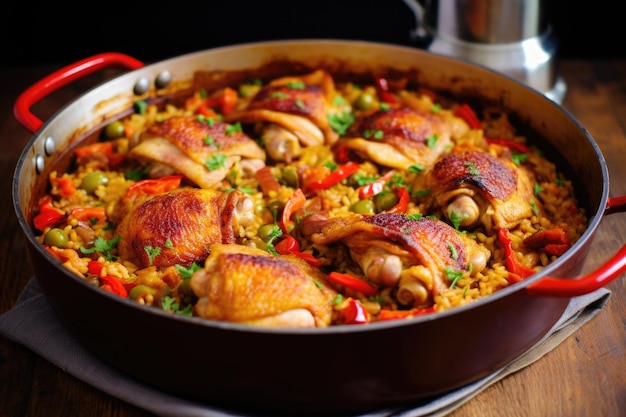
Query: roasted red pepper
x=511 y=144
x=224 y=102
x=266 y=180
x=114 y=285
x=49 y=216
x=348 y=281
x=154 y=186
x=294 y=203
x=88 y=213
x=101 y=148
x=466 y=113
x=66 y=185
x=341 y=173
x=354 y=313
x=512 y=264
x=551 y=242
x=290 y=246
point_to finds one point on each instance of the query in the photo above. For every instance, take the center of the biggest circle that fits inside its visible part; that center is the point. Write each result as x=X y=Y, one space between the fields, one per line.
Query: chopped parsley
x=215 y=161
x=471 y=168
x=276 y=232
x=208 y=140
x=519 y=158
x=152 y=252
x=140 y=106
x=453 y=276
x=169 y=304
x=453 y=253
x=537 y=189
x=415 y=169
x=431 y=141
x=414 y=216
x=456 y=219
x=234 y=128
x=187 y=272
x=103 y=247
x=435 y=108
x=296 y=85
x=374 y=134
x=341 y=122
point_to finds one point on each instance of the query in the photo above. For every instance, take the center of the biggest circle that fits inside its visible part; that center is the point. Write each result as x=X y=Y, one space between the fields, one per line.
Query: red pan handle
x=62 y=77
x=613 y=268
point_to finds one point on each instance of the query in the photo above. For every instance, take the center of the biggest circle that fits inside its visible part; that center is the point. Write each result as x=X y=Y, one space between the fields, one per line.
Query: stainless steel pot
x=341 y=369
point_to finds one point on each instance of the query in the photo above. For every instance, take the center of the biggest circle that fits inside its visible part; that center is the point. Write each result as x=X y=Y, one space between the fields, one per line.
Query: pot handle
x=62 y=77
x=613 y=268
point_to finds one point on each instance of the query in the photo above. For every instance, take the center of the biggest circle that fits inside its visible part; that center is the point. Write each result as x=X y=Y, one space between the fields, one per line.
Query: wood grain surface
x=583 y=376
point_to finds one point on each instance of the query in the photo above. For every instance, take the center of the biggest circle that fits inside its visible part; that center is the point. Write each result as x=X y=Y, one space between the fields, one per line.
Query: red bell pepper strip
x=403 y=201
x=294 y=203
x=95 y=267
x=88 y=213
x=511 y=144
x=101 y=148
x=348 y=281
x=66 y=185
x=404 y=314
x=512 y=263
x=384 y=94
x=114 y=285
x=466 y=113
x=290 y=246
x=342 y=172
x=154 y=186
x=48 y=216
x=354 y=313
x=375 y=187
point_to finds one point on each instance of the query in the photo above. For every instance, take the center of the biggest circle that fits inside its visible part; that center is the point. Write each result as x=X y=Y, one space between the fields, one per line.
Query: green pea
x=384 y=201
x=364 y=101
x=265 y=232
x=56 y=237
x=92 y=181
x=114 y=130
x=290 y=177
x=363 y=207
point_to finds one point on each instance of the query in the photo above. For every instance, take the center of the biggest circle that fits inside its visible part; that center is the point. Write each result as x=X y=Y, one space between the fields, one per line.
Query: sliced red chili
x=403 y=201
x=355 y=313
x=512 y=263
x=466 y=113
x=384 y=94
x=341 y=173
x=375 y=187
x=354 y=283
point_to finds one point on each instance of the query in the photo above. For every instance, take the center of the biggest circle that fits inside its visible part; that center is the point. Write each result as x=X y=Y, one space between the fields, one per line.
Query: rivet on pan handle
x=62 y=77
x=613 y=268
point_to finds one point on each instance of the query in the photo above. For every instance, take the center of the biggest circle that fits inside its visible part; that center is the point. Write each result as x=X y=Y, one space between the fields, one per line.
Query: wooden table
x=584 y=376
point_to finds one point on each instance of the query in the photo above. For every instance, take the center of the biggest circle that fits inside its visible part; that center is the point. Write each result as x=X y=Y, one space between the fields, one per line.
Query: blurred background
x=45 y=32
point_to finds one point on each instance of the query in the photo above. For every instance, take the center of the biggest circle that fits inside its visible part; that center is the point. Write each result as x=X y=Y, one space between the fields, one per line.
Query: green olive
x=363 y=207
x=384 y=201
x=364 y=101
x=140 y=291
x=114 y=130
x=265 y=232
x=56 y=237
x=92 y=181
x=290 y=177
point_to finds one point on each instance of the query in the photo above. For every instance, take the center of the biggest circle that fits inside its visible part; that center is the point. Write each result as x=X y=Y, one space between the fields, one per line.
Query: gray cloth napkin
x=32 y=323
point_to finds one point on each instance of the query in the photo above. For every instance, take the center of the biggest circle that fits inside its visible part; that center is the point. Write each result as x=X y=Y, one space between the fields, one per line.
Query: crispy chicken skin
x=250 y=286
x=479 y=189
x=187 y=145
x=291 y=112
x=181 y=224
x=399 y=138
x=415 y=256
